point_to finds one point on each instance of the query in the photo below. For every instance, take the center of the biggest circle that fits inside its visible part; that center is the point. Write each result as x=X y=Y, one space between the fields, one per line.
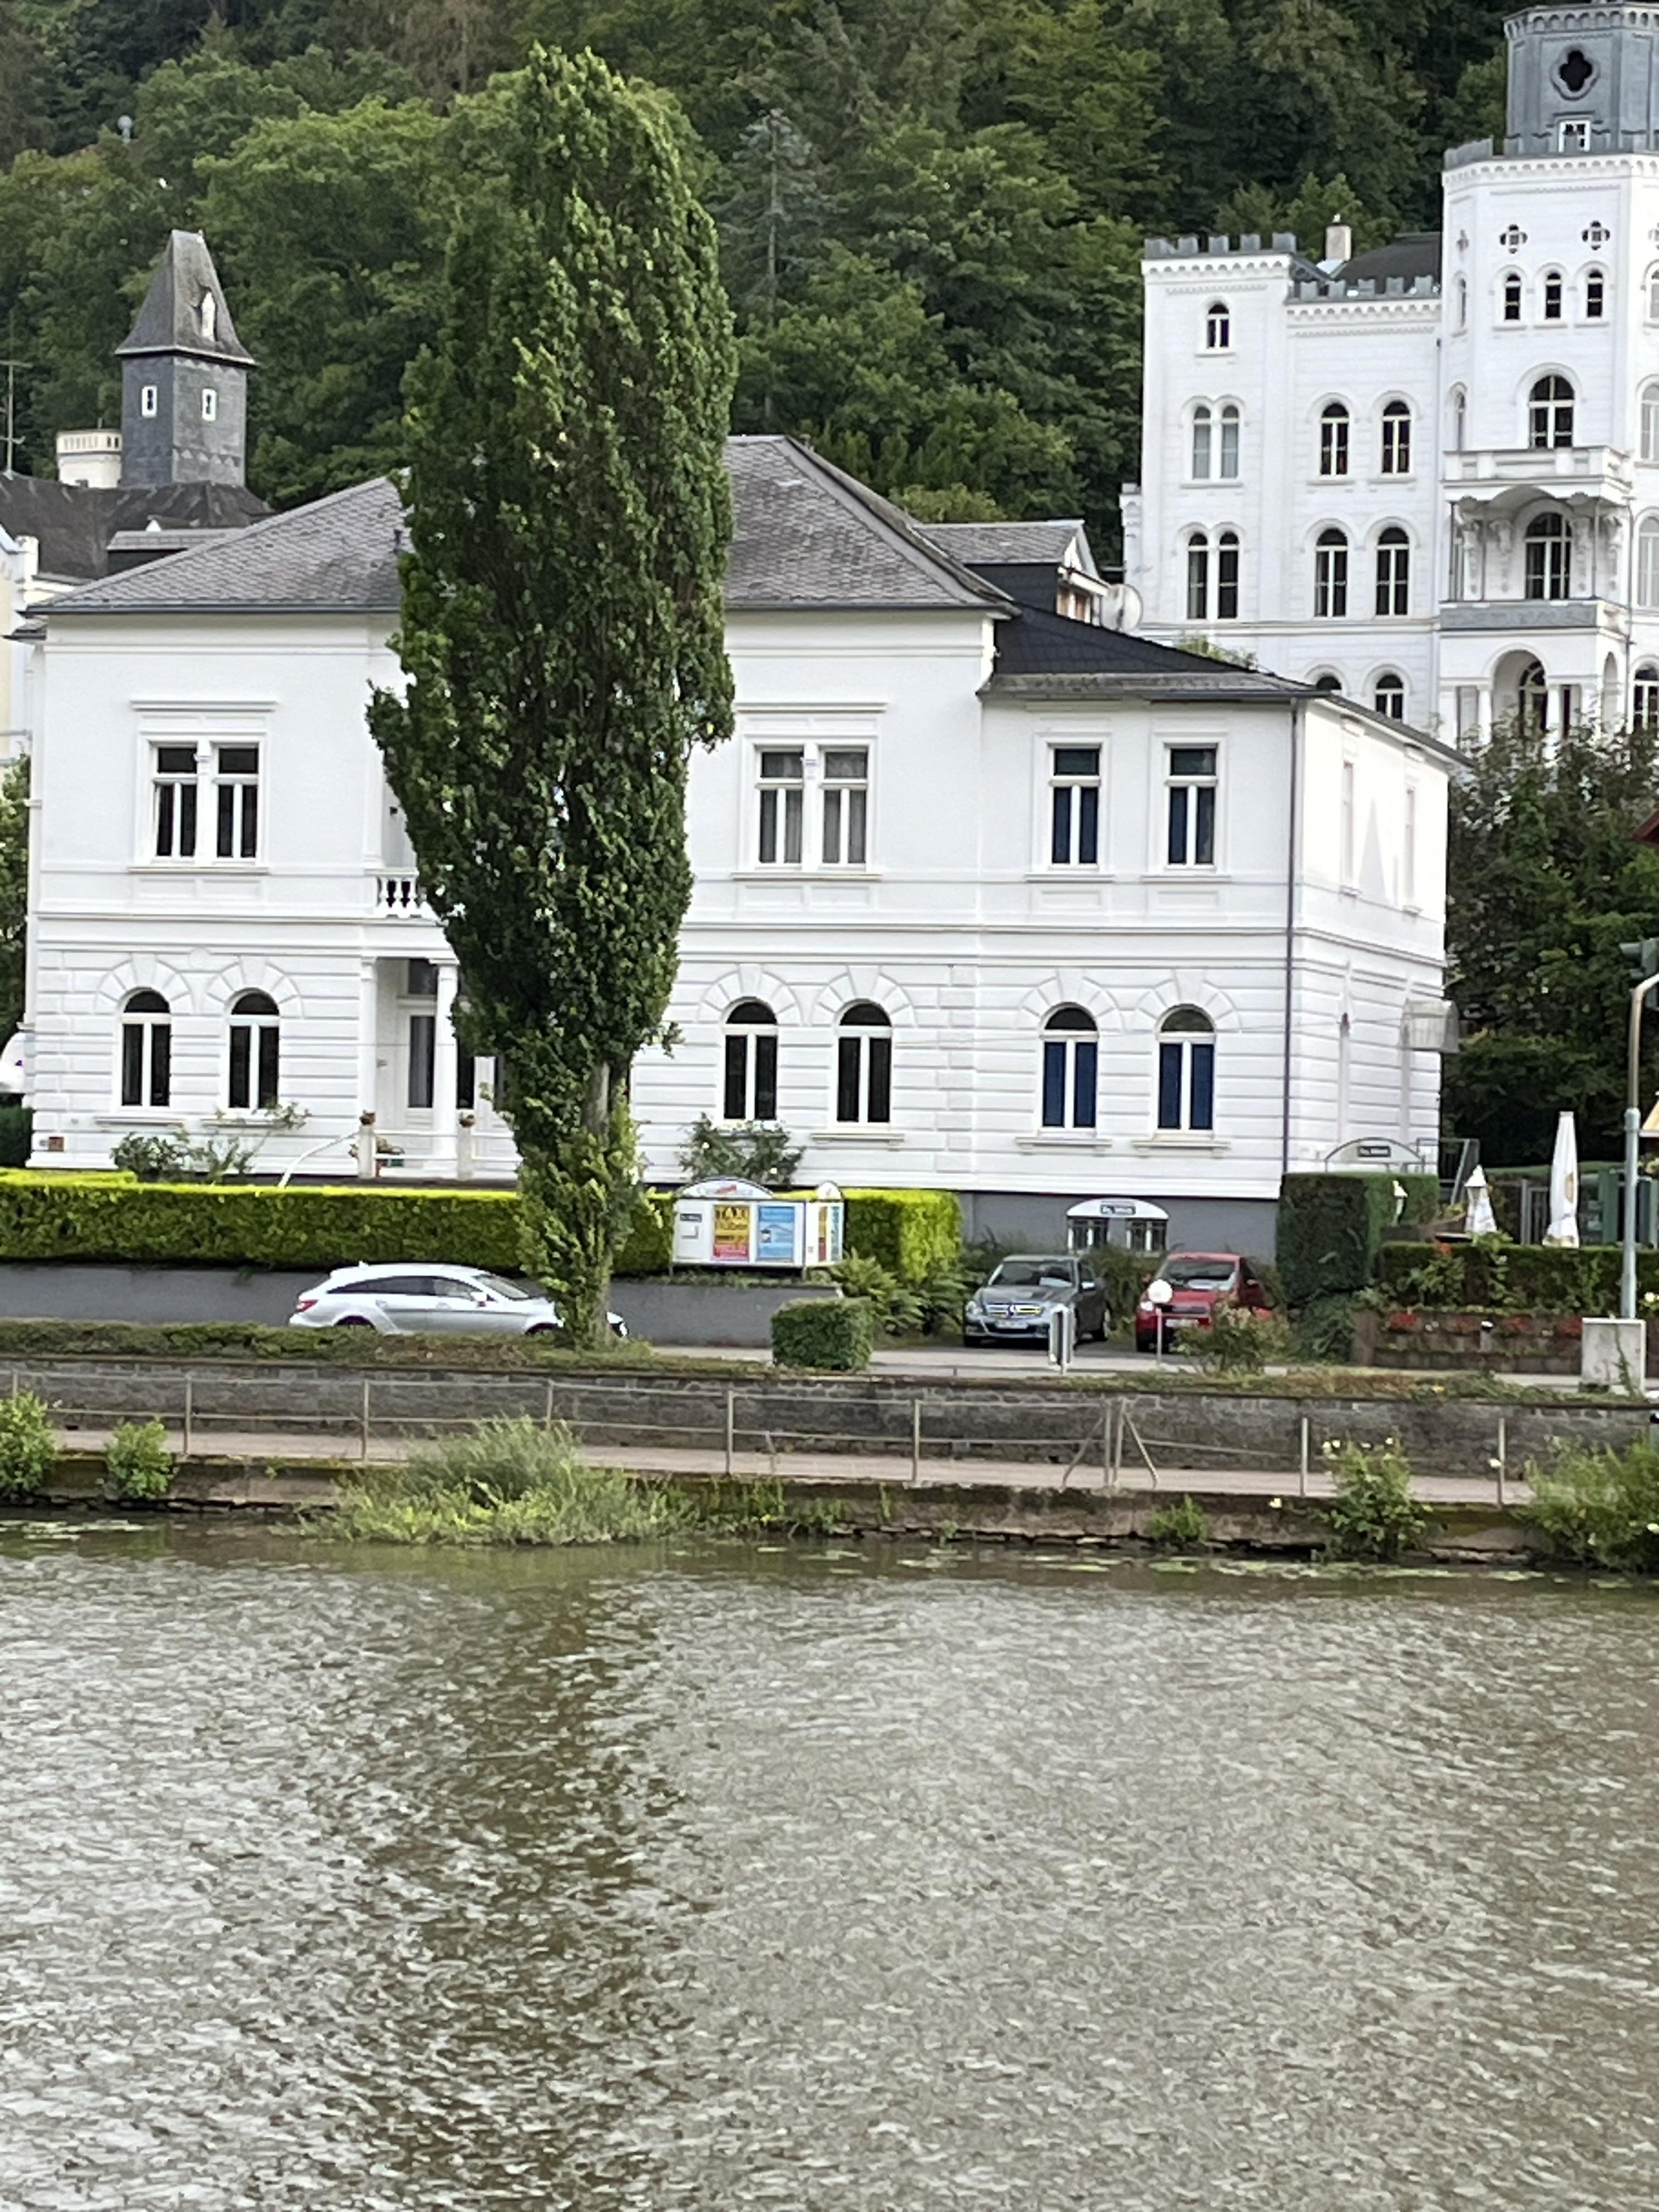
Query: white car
x=410 y=1300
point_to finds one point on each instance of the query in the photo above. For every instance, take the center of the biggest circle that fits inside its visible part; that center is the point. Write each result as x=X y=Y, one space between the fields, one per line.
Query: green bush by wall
x=16 y=1136
x=1331 y=1228
x=833 y=1335
x=915 y=1234
x=649 y=1244
x=1510 y=1277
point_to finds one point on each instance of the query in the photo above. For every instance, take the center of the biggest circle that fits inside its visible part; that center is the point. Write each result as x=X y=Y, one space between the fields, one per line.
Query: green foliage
x=505 y=1482
x=834 y=1334
x=897 y=1310
x=136 y=1461
x=1126 y=1275
x=47 y=1216
x=1324 y=1330
x=1182 y=1528
x=1491 y=1276
x=747 y=1151
x=1237 y=1341
x=648 y=1247
x=14 y=889
x=1545 y=883
x=562 y=627
x=16 y=1136
x=1331 y=1228
x=915 y=1234
x=151 y=1158
x=1373 y=1515
x=28 y=1448
x=1601 y=1506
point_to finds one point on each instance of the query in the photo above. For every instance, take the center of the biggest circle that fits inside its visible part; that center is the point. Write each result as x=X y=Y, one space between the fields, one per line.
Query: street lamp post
x=1632 y=1141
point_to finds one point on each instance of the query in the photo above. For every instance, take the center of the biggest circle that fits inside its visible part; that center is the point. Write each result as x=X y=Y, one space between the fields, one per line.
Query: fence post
x=915 y=1440
x=1502 y=1455
x=730 y=1430
x=365 y=1418
x=190 y=1408
x=1303 y=1490
x=547 y=1407
x=1106 y=1448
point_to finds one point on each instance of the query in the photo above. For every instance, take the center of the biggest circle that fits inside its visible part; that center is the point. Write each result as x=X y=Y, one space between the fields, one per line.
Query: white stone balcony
x=1508 y=474
x=1605 y=617
x=400 y=895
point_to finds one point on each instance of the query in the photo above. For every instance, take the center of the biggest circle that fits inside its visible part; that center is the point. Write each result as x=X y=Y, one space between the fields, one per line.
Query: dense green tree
x=1546 y=882
x=562 y=629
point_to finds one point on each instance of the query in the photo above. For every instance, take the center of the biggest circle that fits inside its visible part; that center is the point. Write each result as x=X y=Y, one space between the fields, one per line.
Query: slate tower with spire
x=184 y=378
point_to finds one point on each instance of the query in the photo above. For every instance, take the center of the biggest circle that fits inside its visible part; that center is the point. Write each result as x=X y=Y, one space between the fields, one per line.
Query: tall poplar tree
x=562 y=628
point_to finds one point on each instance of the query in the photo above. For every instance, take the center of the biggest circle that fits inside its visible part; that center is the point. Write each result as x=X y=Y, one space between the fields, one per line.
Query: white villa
x=1428 y=477
x=987 y=896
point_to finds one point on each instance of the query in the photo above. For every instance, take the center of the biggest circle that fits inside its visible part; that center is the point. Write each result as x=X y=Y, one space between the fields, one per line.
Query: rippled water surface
x=849 y=1881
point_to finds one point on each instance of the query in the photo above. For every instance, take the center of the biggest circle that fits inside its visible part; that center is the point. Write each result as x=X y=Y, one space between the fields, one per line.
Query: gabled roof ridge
x=904 y=535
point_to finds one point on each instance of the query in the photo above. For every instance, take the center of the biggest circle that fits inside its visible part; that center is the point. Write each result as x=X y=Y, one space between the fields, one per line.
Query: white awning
x=1116 y=1209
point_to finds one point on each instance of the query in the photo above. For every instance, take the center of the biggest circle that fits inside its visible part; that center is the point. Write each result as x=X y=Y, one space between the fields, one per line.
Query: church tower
x=184 y=378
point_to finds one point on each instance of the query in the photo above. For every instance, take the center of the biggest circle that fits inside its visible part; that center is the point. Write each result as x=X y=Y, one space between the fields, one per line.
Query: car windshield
x=498 y=1286
x=1031 y=1274
x=1199 y=1274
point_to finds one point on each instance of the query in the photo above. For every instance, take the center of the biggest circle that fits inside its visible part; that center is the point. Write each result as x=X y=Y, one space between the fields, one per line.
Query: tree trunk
x=596 y=1121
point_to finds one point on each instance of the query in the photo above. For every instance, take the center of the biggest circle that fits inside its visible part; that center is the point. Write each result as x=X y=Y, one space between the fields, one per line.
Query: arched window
x=1653 y=294
x=146 y=1050
x=1650 y=422
x=1553 y=296
x=1334 y=441
x=207 y=314
x=1203 y=434
x=1459 y=422
x=1512 y=296
x=1331 y=574
x=1532 y=699
x=1071 y=1069
x=1549 y=556
x=1396 y=439
x=864 y=1065
x=750 y=1091
x=1647 y=563
x=1198 y=577
x=1596 y=296
x=1227 y=576
x=1645 y=697
x=1186 y=1070
x=254 y=1052
x=1390 y=696
x=1549 y=413
x=1331 y=685
x=1393 y=572
x=1229 y=456
x=1462 y=303
x=1218 y=327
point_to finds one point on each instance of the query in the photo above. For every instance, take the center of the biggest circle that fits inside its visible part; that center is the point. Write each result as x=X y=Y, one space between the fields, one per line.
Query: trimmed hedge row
x=835 y=1335
x=1331 y=1228
x=915 y=1234
x=1510 y=1277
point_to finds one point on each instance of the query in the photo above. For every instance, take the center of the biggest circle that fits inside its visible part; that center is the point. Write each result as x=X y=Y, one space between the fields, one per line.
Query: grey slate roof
x=1008 y=544
x=73 y=523
x=170 y=319
x=1043 y=645
x=1414 y=254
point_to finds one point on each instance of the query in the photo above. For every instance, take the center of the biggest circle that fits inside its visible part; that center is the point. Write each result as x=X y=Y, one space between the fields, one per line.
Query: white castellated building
x=1429 y=476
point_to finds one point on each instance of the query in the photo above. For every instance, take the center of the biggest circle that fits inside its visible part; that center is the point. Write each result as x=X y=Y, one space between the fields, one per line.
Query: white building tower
x=1430 y=477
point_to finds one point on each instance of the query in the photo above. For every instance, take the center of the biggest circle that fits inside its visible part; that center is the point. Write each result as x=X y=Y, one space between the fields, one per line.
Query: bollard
x=547 y=1410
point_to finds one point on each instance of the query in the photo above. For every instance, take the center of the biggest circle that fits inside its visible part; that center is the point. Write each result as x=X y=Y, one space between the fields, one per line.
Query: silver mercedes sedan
x=426 y=1300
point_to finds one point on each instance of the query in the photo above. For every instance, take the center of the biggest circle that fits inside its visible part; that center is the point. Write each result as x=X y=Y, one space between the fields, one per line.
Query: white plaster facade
x=1526 y=513
x=1301 y=934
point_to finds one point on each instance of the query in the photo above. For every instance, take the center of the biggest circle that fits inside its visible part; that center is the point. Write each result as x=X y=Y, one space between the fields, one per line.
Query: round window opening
x=1574 y=71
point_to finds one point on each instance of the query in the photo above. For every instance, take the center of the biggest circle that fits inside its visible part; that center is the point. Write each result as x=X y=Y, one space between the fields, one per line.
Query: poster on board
x=777 y=1235
x=732 y=1231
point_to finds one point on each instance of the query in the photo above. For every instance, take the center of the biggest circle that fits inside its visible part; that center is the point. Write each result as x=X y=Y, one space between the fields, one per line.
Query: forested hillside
x=931 y=210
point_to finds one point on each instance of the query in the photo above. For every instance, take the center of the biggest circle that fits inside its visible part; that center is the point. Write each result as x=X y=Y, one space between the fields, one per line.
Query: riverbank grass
x=1600 y=1507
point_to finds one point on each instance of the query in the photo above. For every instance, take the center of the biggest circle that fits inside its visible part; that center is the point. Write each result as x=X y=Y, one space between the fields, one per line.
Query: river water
x=852 y=1880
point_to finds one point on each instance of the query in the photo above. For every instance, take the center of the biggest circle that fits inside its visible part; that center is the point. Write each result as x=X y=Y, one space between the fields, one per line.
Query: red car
x=1200 y=1283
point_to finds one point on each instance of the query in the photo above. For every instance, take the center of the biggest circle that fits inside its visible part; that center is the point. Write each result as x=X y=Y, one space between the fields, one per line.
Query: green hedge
x=914 y=1233
x=16 y=1136
x=1331 y=1228
x=1512 y=1278
x=833 y=1335
x=649 y=1246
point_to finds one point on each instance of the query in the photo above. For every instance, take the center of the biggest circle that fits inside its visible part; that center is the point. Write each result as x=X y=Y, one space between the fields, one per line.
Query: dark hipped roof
x=1038 y=646
x=170 y=320
x=73 y=523
x=1414 y=254
x=805 y=535
x=1009 y=545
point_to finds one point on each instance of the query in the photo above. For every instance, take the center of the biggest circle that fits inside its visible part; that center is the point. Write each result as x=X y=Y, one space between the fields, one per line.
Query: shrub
x=941 y=1298
x=1489 y=1275
x=1373 y=1515
x=834 y=1334
x=1331 y=1228
x=914 y=1233
x=28 y=1449
x=754 y=1151
x=1237 y=1341
x=151 y=1158
x=16 y=1136
x=136 y=1461
x=1323 y=1331
x=1601 y=1506
x=1126 y=1275
x=1184 y=1525
x=648 y=1247
x=895 y=1310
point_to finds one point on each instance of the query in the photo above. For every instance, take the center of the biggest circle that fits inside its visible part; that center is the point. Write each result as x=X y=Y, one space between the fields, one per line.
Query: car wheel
x=541 y=1329
x=353 y=1320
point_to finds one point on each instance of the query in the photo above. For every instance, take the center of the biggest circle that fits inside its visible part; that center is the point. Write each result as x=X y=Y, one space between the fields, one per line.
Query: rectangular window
x=782 y=799
x=1075 y=817
x=1197 y=580
x=1054 y=1084
x=132 y=1064
x=1226 y=579
x=1086 y=1082
x=210 y=406
x=175 y=802
x=423 y=1058
x=1574 y=135
x=751 y=1054
x=1192 y=787
x=846 y=804
x=147 y=401
x=1186 y=1084
x=236 y=790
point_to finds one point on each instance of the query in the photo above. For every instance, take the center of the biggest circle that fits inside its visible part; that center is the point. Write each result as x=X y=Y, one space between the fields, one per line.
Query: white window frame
x=1555 y=296
x=1218 y=327
x=1074 y=784
x=1647 y=564
x=1331 y=577
x=167 y=814
x=147 y=1021
x=1596 y=295
x=1229 y=433
x=1393 y=684
x=1645 y=696
x=1335 y=440
x=1197 y=576
x=149 y=402
x=1396 y=443
x=751 y=1034
x=1062 y=1048
x=826 y=807
x=1393 y=565
x=1200 y=446
x=209 y=403
x=1648 y=404
x=777 y=823
x=844 y=808
x=256 y=1025
x=1185 y=1043
x=1228 y=557
x=238 y=812
x=1185 y=823
x=871 y=1043
x=1572 y=135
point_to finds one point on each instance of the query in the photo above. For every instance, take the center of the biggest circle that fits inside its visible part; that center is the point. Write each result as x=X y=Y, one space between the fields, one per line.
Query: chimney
x=1339 y=244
